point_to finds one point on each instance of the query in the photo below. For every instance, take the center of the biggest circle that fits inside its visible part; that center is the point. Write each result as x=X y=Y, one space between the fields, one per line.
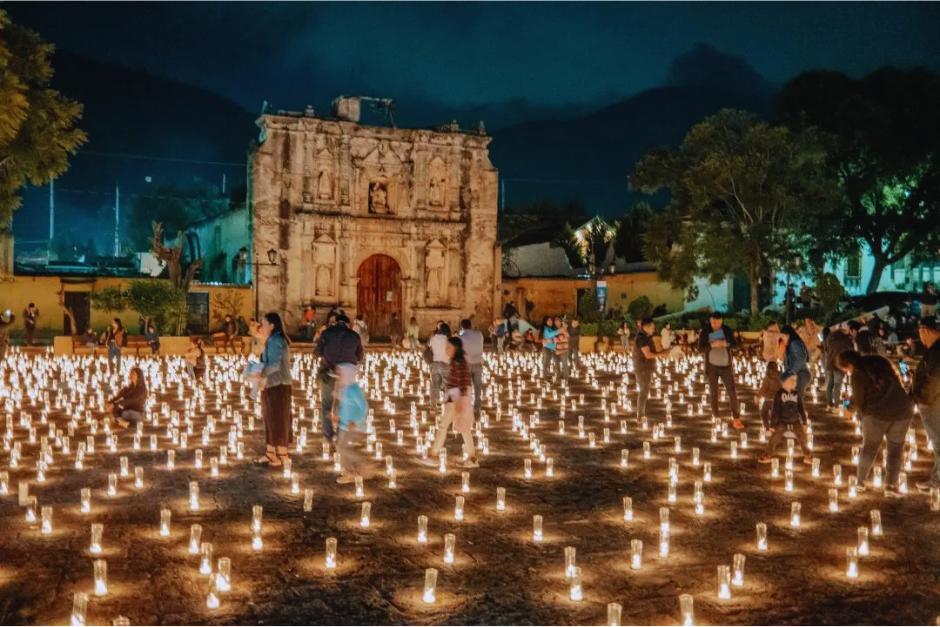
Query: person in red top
x=458 y=407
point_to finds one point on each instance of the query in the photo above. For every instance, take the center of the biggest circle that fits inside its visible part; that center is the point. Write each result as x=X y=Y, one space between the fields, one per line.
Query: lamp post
x=272 y=261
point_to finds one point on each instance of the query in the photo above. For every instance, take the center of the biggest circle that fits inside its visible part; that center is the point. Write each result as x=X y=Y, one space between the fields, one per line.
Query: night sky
x=293 y=54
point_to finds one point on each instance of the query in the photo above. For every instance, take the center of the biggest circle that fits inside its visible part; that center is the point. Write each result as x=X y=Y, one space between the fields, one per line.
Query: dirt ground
x=500 y=575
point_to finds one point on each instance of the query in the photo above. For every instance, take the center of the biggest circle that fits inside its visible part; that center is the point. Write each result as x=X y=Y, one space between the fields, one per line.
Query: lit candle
x=863 y=550
x=294 y=483
x=663 y=543
x=686 y=608
x=707 y=471
x=851 y=559
x=788 y=481
x=695 y=456
x=257 y=543
x=97 y=531
x=138 y=477
x=223 y=578
x=458 y=508
x=449 y=541
x=724 y=582
x=636 y=554
x=365 y=514
x=165 y=516
x=774 y=468
x=422 y=529
x=876 y=529
x=815 y=472
x=549 y=467
x=737 y=579
x=195 y=535
x=795 y=514
x=101 y=577
x=575 y=591
x=86 y=500
x=79 y=609
x=430 y=585
x=205 y=563
x=308 y=499
x=212 y=598
x=360 y=492
x=876 y=477
x=837 y=474
x=257 y=513
x=833 y=499
x=112 y=484
x=537 y=528
x=46 y=520
x=570 y=561
x=527 y=471
x=331 y=553
x=465 y=482
x=761 y=536
x=500 y=499
x=627 y=509
x=194 y=496
x=664 y=519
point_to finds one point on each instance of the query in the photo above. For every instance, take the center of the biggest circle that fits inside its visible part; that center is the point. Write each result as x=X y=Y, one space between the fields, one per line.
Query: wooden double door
x=379 y=294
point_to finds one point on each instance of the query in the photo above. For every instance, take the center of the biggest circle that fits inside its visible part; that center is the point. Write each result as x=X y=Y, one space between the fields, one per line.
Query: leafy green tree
x=158 y=301
x=109 y=299
x=884 y=136
x=639 y=308
x=633 y=227
x=830 y=293
x=741 y=190
x=37 y=124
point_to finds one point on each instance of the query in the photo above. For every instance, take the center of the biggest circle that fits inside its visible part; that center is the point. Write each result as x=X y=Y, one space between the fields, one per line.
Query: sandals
x=270 y=458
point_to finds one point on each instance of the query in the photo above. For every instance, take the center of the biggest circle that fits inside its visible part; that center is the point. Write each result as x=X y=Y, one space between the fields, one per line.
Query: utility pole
x=117 y=220
x=51 y=210
x=223 y=183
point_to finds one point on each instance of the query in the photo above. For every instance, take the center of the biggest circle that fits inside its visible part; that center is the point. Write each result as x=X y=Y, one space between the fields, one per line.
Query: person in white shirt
x=666 y=336
x=473 y=351
x=439 y=360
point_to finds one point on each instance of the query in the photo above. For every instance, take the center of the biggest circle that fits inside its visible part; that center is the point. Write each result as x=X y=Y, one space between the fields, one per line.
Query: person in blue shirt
x=548 y=346
x=796 y=359
x=275 y=381
x=349 y=420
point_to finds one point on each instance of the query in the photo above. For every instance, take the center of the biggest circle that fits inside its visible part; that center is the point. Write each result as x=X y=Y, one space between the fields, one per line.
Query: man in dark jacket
x=884 y=409
x=837 y=342
x=337 y=345
x=716 y=342
x=925 y=389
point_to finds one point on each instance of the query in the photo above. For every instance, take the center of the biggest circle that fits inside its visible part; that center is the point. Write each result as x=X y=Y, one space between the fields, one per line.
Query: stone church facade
x=377 y=219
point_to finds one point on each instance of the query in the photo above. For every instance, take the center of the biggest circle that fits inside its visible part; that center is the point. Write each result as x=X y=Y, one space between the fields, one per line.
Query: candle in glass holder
x=97 y=531
x=100 y=568
x=31 y=509
x=774 y=468
x=699 y=498
x=663 y=543
x=194 y=496
x=308 y=499
x=449 y=541
x=223 y=577
x=294 y=483
x=205 y=562
x=422 y=529
x=737 y=577
x=45 y=515
x=79 y=609
x=575 y=591
x=330 y=553
x=537 y=528
x=636 y=554
x=833 y=499
x=165 y=516
x=614 y=611
x=695 y=456
x=877 y=480
x=212 y=597
x=724 y=582
x=527 y=468
x=549 y=467
x=707 y=471
x=863 y=548
x=761 y=536
x=876 y=529
x=257 y=543
x=360 y=491
x=112 y=484
x=86 y=500
x=430 y=585
x=500 y=499
x=365 y=514
x=671 y=492
x=855 y=455
x=465 y=482
x=788 y=481
x=851 y=560
x=195 y=535
x=627 y=509
x=646 y=450
x=664 y=519
x=458 y=508
x=570 y=561
x=795 y=514
x=170 y=459
x=686 y=608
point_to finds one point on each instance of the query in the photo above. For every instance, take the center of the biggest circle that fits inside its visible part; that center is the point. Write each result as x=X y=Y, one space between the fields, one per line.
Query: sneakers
x=737 y=424
x=764 y=459
x=431 y=462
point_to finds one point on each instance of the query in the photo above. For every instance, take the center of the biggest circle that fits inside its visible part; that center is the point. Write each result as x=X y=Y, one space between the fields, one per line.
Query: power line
x=121 y=155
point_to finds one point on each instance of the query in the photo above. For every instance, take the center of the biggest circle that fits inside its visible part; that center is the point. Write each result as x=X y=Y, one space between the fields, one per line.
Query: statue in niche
x=324 y=280
x=324 y=261
x=436 y=182
x=378 y=197
x=434 y=265
x=324 y=185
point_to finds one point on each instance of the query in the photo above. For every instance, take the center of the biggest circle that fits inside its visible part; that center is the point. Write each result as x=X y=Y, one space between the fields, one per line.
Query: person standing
x=395 y=331
x=30 y=319
x=6 y=321
x=308 y=321
x=473 y=352
x=338 y=344
x=349 y=421
x=861 y=334
x=885 y=412
x=716 y=343
x=562 y=348
x=548 y=346
x=440 y=360
x=666 y=336
x=809 y=333
x=644 y=362
x=360 y=327
x=771 y=338
x=925 y=390
x=623 y=332
x=457 y=408
x=129 y=404
x=414 y=334
x=196 y=359
x=837 y=342
x=787 y=414
x=115 y=340
x=796 y=360
x=276 y=391
x=928 y=301
x=574 y=342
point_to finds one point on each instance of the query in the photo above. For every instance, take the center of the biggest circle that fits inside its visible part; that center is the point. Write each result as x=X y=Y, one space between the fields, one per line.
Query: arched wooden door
x=379 y=294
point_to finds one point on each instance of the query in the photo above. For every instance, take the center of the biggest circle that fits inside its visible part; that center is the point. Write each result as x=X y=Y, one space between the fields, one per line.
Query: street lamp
x=272 y=261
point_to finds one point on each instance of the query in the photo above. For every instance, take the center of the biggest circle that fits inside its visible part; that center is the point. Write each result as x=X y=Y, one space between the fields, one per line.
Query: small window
x=197 y=304
x=853 y=265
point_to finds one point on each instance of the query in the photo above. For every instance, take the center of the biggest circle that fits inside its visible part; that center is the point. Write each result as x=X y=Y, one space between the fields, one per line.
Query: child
x=768 y=389
x=349 y=419
x=787 y=413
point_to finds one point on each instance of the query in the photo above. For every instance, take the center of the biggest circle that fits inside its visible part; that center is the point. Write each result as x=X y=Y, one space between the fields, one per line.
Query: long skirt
x=276 y=411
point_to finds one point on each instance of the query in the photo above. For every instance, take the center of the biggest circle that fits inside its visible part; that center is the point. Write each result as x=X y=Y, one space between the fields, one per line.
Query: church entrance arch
x=379 y=293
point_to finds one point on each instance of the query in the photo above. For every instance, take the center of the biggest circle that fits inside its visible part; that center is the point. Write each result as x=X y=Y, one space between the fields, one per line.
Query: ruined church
x=376 y=219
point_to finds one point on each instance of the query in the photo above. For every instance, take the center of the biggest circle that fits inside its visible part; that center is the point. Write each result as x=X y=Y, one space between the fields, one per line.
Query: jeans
x=930 y=416
x=438 y=378
x=834 y=378
x=114 y=354
x=547 y=361
x=873 y=430
x=500 y=340
x=476 y=376
x=574 y=357
x=644 y=378
x=726 y=375
x=348 y=445
x=561 y=366
x=326 y=406
x=802 y=382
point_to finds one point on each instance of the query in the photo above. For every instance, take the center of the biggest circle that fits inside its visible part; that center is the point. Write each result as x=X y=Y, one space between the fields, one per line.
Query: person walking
x=308 y=322
x=196 y=359
x=6 y=321
x=226 y=333
x=574 y=342
x=717 y=342
x=115 y=340
x=473 y=351
x=837 y=342
x=275 y=381
x=395 y=332
x=130 y=403
x=457 y=408
x=413 y=334
x=350 y=409
x=885 y=412
x=787 y=414
x=360 y=327
x=338 y=344
x=562 y=349
x=30 y=319
x=796 y=360
x=768 y=391
x=440 y=360
x=623 y=332
x=666 y=336
x=644 y=362
x=548 y=346
x=925 y=390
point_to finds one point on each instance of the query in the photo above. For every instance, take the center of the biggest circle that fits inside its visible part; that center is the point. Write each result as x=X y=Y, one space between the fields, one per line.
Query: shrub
x=640 y=308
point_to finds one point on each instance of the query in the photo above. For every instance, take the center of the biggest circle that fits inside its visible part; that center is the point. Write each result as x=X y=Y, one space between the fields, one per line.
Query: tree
x=173 y=207
x=633 y=227
x=740 y=191
x=639 y=308
x=593 y=240
x=158 y=301
x=884 y=137
x=37 y=124
x=181 y=270
x=109 y=299
x=830 y=293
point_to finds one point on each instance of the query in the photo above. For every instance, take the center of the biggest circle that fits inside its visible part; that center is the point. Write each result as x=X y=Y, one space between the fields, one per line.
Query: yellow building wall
x=554 y=296
x=16 y=292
